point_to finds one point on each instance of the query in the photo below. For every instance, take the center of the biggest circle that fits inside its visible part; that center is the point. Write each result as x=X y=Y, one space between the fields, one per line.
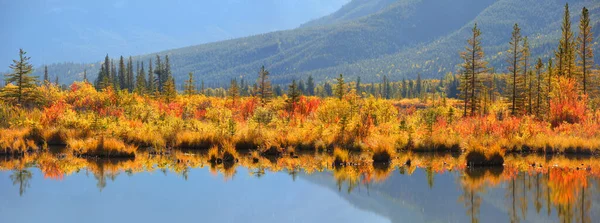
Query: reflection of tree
x=583 y=206
x=538 y=193
x=430 y=175
x=21 y=177
x=511 y=192
x=523 y=200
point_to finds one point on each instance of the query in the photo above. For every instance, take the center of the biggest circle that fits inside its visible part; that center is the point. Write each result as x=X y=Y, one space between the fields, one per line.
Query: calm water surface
x=245 y=194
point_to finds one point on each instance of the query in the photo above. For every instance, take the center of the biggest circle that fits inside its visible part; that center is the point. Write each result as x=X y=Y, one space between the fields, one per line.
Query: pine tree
x=539 y=108
x=293 y=95
x=358 y=88
x=190 y=86
x=549 y=76
x=420 y=85
x=327 y=89
x=515 y=58
x=202 y=89
x=526 y=73
x=114 y=76
x=169 y=90
x=340 y=87
x=140 y=80
x=301 y=87
x=585 y=41
x=473 y=67
x=56 y=81
x=234 y=91
x=130 y=79
x=122 y=74
x=25 y=90
x=310 y=86
x=85 y=76
x=166 y=73
x=566 y=48
x=151 y=86
x=264 y=86
x=158 y=70
x=46 y=78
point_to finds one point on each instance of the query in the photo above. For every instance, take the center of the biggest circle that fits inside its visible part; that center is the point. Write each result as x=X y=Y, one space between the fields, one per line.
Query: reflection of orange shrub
x=566 y=184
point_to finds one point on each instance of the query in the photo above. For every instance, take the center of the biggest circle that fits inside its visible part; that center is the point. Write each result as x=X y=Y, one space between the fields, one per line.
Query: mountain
x=373 y=38
x=85 y=31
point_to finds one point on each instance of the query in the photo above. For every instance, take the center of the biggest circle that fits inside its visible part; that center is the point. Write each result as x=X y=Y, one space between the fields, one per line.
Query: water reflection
x=527 y=188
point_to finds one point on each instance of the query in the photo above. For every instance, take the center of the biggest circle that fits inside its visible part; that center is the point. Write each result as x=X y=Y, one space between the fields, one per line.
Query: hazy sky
x=84 y=31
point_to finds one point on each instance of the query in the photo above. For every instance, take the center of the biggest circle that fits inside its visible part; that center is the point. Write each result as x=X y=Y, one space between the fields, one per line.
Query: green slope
x=371 y=38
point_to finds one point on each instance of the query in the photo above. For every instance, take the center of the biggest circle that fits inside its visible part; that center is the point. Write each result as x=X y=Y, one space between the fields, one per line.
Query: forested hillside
x=370 y=39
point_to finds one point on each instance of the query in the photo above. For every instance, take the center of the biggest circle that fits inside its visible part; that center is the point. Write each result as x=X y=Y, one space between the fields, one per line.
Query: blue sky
x=54 y=31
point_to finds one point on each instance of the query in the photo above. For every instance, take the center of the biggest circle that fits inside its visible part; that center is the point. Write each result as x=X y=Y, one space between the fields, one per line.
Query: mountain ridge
x=399 y=40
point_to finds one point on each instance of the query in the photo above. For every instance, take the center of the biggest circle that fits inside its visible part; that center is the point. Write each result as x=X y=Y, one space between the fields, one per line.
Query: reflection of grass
x=104 y=146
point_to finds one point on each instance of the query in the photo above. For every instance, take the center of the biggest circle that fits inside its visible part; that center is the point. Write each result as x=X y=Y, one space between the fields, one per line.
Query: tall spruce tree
x=85 y=76
x=24 y=90
x=539 y=104
x=265 y=90
x=151 y=84
x=169 y=89
x=526 y=73
x=122 y=74
x=189 y=86
x=473 y=67
x=46 y=78
x=358 y=88
x=310 y=86
x=340 y=87
x=565 y=54
x=585 y=41
x=140 y=81
x=293 y=95
x=160 y=77
x=515 y=58
x=130 y=76
x=234 y=91
x=114 y=76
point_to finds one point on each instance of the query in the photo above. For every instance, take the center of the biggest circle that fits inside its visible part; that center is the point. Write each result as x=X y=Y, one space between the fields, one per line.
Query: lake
x=185 y=187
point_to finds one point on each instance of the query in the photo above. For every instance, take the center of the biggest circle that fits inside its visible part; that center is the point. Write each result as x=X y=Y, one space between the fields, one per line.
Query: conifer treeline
x=529 y=88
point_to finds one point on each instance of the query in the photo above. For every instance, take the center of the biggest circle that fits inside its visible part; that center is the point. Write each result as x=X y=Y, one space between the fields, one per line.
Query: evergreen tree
x=515 y=58
x=526 y=73
x=114 y=76
x=539 y=108
x=327 y=89
x=565 y=54
x=358 y=88
x=56 y=81
x=169 y=90
x=293 y=94
x=122 y=74
x=85 y=76
x=301 y=87
x=202 y=89
x=549 y=76
x=340 y=87
x=130 y=79
x=190 y=86
x=158 y=70
x=25 y=90
x=264 y=86
x=140 y=80
x=234 y=91
x=472 y=68
x=420 y=85
x=46 y=78
x=151 y=84
x=585 y=41
x=310 y=86
x=166 y=73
